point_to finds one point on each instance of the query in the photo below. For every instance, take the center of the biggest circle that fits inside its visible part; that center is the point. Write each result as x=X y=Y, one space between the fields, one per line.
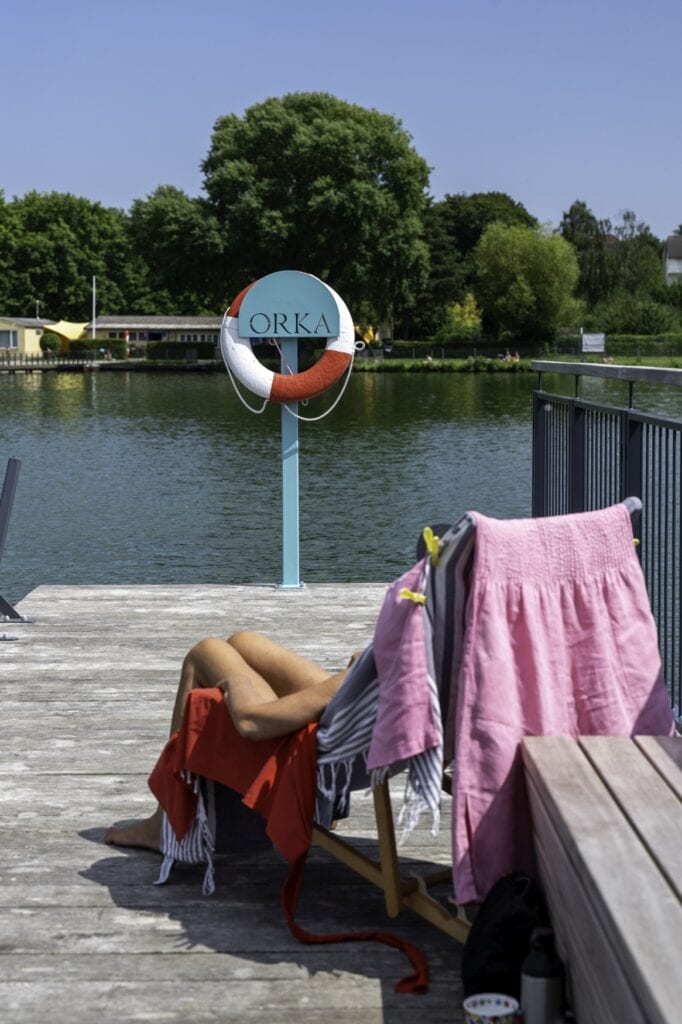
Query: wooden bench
x=607 y=828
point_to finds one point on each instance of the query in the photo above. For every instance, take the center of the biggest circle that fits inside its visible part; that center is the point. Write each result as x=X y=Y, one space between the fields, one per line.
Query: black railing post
x=576 y=469
x=632 y=463
x=539 y=473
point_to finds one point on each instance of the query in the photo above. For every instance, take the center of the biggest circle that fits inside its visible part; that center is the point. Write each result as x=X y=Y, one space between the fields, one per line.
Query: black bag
x=500 y=935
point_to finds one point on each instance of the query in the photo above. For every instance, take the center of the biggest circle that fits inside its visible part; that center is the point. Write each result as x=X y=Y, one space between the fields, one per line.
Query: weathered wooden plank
x=601 y=988
x=644 y=797
x=163 y=926
x=72 y=753
x=269 y=965
x=314 y=1001
x=112 y=709
x=661 y=750
x=634 y=905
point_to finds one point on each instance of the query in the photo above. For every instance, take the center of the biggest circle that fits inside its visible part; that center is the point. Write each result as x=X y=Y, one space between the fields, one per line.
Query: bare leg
x=276 y=691
x=256 y=672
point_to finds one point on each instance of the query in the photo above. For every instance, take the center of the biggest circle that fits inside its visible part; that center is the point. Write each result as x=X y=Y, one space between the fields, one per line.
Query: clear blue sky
x=548 y=100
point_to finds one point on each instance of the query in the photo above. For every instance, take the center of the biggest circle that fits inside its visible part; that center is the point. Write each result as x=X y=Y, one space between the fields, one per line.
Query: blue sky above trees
x=548 y=102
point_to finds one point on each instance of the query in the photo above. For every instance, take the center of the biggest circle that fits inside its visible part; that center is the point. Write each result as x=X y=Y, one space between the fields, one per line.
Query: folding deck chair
x=345 y=731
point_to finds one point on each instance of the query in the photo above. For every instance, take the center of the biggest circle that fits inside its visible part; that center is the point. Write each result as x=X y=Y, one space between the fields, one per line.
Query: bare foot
x=145 y=833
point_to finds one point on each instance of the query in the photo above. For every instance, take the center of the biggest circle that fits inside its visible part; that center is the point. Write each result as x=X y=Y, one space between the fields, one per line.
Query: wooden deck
x=84 y=935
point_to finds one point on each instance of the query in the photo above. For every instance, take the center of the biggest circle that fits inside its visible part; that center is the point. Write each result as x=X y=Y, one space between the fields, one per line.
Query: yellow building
x=21 y=335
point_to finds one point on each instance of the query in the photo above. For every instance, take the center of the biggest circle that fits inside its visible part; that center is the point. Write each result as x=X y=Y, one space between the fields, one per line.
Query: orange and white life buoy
x=280 y=387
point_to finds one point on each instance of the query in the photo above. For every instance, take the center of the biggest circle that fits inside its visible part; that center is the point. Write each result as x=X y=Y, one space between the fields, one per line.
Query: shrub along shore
x=484 y=364
x=473 y=356
x=472 y=364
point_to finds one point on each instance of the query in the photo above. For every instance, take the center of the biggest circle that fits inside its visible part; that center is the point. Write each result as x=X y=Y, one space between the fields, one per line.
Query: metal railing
x=590 y=454
x=12 y=360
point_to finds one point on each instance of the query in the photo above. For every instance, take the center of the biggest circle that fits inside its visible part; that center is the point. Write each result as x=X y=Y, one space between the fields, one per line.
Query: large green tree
x=525 y=280
x=52 y=245
x=179 y=240
x=312 y=183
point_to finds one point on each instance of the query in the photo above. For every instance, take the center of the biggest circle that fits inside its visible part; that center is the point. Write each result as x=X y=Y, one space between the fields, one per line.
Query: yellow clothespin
x=636 y=541
x=432 y=543
x=412 y=595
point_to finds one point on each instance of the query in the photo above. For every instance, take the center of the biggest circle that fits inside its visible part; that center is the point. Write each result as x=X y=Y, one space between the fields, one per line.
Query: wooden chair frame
x=399 y=892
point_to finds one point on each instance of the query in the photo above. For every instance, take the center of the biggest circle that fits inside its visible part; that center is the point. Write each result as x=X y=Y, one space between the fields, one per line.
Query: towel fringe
x=166 y=867
x=208 y=848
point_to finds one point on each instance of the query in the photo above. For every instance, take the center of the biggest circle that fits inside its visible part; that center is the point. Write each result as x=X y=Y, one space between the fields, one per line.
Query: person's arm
x=258 y=718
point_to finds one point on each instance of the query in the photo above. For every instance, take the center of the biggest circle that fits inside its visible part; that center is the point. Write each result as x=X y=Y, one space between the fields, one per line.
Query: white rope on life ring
x=280 y=387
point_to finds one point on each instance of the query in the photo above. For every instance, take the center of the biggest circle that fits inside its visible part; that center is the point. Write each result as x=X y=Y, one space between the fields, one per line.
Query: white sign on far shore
x=593 y=342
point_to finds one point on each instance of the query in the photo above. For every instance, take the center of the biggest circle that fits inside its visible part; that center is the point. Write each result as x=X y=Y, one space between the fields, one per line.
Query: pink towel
x=407 y=722
x=559 y=641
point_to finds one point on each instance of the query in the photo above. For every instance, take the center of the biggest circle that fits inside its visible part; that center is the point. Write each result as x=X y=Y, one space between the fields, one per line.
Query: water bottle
x=542 y=981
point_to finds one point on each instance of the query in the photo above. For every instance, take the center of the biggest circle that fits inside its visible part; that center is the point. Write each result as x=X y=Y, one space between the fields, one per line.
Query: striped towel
x=344 y=734
x=197 y=845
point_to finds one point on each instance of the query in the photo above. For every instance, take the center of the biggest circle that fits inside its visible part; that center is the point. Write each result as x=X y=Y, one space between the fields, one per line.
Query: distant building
x=21 y=335
x=138 y=330
x=672 y=259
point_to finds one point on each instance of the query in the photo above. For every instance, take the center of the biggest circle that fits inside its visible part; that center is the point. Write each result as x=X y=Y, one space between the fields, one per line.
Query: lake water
x=166 y=478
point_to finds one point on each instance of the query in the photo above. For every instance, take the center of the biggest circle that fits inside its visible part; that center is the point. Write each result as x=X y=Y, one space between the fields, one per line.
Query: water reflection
x=166 y=478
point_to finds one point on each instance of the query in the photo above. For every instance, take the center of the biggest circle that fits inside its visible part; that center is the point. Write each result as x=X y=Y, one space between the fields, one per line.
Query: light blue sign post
x=289 y=305
x=291 y=572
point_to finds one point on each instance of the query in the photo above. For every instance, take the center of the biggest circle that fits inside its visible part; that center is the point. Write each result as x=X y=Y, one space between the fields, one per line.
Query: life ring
x=281 y=387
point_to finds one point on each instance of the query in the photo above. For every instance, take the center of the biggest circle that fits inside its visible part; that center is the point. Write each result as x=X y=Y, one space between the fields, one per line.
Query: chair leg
x=388 y=854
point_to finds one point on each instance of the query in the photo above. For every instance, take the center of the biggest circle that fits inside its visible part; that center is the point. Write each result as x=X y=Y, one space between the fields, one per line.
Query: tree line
x=310 y=182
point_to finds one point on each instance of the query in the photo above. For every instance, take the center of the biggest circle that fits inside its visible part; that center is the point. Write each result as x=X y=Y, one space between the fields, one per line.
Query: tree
x=463 y=321
x=180 y=242
x=596 y=262
x=524 y=280
x=53 y=244
x=9 y=236
x=452 y=228
x=445 y=283
x=316 y=184
x=638 y=258
x=466 y=217
x=627 y=313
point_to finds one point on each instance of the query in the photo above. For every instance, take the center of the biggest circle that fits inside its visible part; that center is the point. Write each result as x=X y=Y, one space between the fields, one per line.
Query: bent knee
x=244 y=639
x=208 y=654
x=205 y=646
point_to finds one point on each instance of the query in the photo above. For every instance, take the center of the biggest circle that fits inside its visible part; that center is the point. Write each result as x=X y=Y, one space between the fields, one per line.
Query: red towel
x=277 y=779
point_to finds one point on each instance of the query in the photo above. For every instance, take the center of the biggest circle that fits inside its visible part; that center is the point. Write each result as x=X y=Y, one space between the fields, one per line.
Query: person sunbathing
x=269 y=692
